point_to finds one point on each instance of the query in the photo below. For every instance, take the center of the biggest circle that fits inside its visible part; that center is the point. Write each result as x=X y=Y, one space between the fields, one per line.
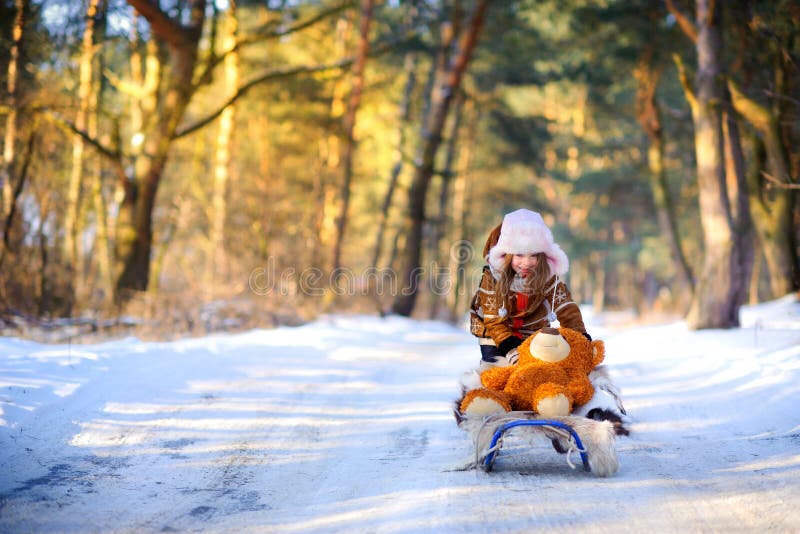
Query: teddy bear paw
x=483 y=402
x=556 y=405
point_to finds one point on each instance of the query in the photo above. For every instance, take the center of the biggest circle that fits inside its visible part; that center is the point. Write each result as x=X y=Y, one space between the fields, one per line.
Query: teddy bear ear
x=599 y=351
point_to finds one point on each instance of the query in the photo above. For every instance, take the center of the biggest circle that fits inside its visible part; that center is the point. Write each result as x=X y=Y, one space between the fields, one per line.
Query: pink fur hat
x=524 y=232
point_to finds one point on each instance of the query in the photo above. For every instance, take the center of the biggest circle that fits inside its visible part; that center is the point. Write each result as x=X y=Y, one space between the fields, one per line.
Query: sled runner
x=593 y=441
x=497 y=439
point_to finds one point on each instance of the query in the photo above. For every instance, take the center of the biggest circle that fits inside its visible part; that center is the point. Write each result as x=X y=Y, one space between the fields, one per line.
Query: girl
x=521 y=290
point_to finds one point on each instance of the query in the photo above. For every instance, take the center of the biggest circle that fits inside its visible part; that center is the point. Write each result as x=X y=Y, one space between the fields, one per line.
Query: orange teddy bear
x=550 y=378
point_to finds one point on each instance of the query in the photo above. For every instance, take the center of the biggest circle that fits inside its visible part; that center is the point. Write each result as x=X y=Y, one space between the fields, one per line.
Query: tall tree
x=222 y=158
x=135 y=223
x=720 y=290
x=448 y=83
x=72 y=254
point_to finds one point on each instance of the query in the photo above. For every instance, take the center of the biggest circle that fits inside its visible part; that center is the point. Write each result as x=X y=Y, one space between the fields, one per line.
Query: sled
x=593 y=441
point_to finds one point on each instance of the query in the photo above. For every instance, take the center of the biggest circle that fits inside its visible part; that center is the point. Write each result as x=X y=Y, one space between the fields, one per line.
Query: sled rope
x=573 y=446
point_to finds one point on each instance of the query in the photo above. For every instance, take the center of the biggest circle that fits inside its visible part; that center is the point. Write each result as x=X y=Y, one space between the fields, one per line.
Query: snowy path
x=345 y=426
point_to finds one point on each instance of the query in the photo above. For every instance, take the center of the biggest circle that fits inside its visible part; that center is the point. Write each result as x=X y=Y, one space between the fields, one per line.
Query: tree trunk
x=10 y=137
x=217 y=254
x=772 y=206
x=102 y=254
x=736 y=182
x=135 y=223
x=715 y=303
x=446 y=88
x=649 y=117
x=72 y=254
x=27 y=157
x=404 y=117
x=348 y=127
x=440 y=227
x=462 y=251
x=331 y=151
x=598 y=259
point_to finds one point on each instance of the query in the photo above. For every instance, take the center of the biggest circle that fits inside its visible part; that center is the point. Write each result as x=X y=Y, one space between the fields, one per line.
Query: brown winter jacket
x=486 y=322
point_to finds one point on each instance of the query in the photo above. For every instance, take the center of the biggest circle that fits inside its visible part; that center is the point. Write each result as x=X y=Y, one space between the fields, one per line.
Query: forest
x=197 y=165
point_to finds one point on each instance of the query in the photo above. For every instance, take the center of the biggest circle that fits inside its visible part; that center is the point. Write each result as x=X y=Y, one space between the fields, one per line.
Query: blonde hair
x=535 y=283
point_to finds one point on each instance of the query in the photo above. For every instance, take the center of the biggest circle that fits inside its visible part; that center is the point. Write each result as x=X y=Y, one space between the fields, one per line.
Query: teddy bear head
x=563 y=346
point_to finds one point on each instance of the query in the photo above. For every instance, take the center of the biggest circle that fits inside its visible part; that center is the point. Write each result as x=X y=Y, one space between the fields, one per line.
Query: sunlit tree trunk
x=101 y=256
x=10 y=137
x=716 y=300
x=72 y=227
x=445 y=90
x=348 y=128
x=217 y=254
x=330 y=151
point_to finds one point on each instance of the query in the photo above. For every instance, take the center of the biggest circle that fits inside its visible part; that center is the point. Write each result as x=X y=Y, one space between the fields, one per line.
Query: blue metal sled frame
x=489 y=460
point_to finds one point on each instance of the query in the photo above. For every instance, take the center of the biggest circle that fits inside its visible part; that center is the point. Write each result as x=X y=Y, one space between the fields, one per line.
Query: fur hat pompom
x=524 y=232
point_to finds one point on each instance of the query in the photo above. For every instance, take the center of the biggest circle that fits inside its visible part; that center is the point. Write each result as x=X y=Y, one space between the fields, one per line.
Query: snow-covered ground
x=345 y=425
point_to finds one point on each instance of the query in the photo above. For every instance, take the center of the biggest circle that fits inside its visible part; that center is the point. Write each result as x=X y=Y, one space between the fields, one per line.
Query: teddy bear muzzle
x=549 y=345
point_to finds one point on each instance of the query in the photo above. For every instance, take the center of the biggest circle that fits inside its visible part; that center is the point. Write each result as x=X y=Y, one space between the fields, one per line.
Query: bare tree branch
x=787 y=98
x=685 y=23
x=115 y=156
x=774 y=182
x=264 y=77
x=71 y=127
x=162 y=25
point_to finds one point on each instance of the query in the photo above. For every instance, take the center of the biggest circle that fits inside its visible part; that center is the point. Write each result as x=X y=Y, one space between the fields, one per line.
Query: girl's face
x=523 y=264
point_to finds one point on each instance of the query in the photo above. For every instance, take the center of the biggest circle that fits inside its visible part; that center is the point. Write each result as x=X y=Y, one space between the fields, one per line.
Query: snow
x=345 y=424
